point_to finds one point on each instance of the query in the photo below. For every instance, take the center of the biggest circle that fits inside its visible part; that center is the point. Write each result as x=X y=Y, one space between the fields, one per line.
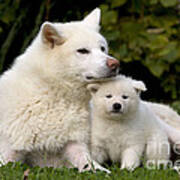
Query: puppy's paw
x=129 y=165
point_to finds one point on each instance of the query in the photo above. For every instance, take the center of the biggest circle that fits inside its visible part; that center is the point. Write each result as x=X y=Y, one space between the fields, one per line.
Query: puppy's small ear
x=51 y=36
x=139 y=86
x=93 y=19
x=93 y=88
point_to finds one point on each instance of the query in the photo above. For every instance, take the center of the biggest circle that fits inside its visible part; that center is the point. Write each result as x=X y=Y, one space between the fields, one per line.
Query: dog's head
x=76 y=50
x=118 y=98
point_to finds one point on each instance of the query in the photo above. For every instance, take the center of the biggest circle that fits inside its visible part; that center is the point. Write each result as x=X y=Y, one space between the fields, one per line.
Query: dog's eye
x=125 y=97
x=103 y=48
x=83 y=51
x=109 y=96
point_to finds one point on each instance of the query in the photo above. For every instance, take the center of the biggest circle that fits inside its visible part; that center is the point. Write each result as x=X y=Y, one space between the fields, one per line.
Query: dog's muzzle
x=116 y=107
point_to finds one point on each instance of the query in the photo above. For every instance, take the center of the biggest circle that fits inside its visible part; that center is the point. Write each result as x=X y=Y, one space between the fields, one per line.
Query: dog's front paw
x=129 y=165
x=79 y=157
x=131 y=158
x=92 y=166
x=97 y=166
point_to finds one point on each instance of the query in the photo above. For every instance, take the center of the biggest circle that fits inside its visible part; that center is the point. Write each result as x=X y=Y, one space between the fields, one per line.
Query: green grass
x=16 y=172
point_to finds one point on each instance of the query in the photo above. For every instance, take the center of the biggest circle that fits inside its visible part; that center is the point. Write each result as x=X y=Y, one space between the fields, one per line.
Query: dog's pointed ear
x=93 y=88
x=51 y=36
x=93 y=19
x=139 y=86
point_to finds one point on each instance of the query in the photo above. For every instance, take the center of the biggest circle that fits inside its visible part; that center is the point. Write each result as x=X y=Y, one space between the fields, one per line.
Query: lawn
x=17 y=171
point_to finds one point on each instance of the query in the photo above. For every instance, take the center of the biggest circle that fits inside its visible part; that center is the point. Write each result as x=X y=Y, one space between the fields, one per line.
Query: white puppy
x=123 y=126
x=43 y=96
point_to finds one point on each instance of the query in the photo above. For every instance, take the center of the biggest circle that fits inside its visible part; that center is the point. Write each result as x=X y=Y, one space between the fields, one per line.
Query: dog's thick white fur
x=43 y=96
x=123 y=126
x=166 y=113
x=169 y=121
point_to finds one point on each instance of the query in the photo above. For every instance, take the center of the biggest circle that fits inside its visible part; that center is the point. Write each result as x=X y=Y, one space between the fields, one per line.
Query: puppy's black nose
x=116 y=106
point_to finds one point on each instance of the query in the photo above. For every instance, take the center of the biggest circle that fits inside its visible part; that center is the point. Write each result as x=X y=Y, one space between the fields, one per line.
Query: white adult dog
x=124 y=126
x=43 y=96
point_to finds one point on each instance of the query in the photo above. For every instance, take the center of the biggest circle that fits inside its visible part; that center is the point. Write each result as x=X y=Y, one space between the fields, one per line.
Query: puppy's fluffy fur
x=123 y=126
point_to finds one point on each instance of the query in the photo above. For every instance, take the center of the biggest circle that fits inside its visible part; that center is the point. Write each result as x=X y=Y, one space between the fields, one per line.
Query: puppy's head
x=118 y=98
x=77 y=49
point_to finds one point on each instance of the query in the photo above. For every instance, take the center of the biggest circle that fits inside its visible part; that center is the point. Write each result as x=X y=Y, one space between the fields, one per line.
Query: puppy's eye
x=125 y=97
x=103 y=48
x=83 y=51
x=109 y=96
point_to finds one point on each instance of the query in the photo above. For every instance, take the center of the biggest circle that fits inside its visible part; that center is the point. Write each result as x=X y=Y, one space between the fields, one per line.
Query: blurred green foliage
x=143 y=35
x=148 y=32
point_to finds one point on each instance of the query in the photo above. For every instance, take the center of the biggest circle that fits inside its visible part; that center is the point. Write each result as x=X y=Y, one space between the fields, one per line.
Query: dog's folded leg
x=78 y=156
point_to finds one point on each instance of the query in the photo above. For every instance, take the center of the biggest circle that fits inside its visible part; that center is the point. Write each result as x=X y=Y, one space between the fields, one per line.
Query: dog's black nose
x=116 y=106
